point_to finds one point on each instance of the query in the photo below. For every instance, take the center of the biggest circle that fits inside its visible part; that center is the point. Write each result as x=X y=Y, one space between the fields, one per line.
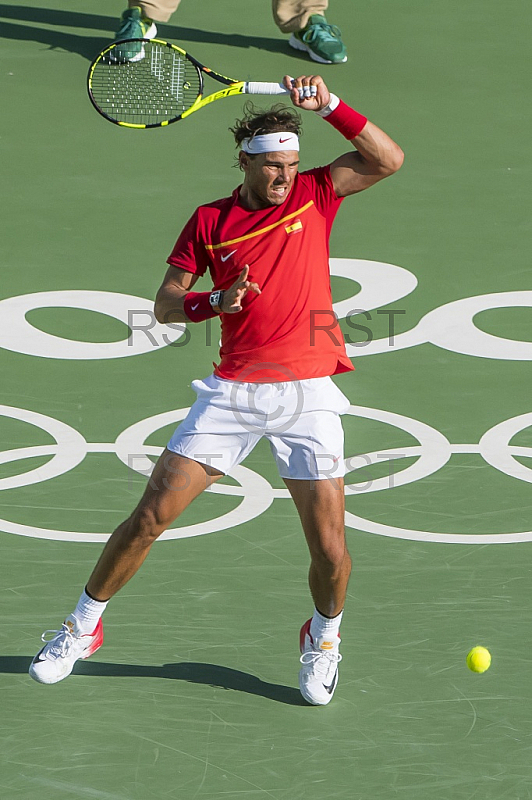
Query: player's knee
x=330 y=552
x=146 y=524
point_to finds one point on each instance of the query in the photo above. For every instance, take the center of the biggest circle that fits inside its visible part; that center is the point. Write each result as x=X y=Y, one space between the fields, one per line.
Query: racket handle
x=258 y=87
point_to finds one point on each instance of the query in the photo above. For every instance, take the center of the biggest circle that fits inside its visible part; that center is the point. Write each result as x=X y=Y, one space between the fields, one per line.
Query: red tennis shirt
x=289 y=331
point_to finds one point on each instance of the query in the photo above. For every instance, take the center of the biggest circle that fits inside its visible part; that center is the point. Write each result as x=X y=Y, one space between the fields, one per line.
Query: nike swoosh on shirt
x=224 y=258
x=194 y=307
x=330 y=688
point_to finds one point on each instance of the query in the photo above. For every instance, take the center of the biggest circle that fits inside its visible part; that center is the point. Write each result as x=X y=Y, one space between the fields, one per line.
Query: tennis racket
x=148 y=83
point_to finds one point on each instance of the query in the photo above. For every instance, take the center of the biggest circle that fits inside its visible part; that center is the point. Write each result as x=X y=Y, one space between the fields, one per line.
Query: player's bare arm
x=376 y=156
x=171 y=295
x=177 y=283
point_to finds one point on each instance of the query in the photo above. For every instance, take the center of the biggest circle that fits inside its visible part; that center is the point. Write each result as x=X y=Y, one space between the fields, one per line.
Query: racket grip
x=258 y=87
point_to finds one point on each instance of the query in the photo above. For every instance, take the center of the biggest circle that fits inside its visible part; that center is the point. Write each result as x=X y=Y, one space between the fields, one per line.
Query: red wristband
x=346 y=120
x=197 y=306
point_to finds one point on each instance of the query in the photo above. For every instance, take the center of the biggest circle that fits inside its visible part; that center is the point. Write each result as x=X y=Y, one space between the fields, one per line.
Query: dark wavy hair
x=256 y=122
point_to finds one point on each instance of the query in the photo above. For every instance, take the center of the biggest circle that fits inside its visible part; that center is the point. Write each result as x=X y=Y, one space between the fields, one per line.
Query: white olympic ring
x=20 y=336
x=254 y=488
x=433 y=452
x=450 y=326
x=69 y=451
x=453 y=328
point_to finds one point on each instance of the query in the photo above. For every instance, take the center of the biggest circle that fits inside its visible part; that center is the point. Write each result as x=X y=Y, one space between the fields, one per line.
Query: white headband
x=270 y=142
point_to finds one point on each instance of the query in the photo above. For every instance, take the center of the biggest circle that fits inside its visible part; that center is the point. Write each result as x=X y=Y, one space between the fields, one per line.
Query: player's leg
x=212 y=432
x=320 y=505
x=175 y=482
x=308 y=445
x=305 y=20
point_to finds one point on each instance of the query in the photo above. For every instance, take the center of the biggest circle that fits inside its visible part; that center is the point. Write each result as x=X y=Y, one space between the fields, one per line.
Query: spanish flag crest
x=295 y=227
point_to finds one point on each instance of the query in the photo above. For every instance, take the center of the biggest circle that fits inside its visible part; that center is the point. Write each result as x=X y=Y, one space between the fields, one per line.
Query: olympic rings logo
x=432 y=451
x=450 y=326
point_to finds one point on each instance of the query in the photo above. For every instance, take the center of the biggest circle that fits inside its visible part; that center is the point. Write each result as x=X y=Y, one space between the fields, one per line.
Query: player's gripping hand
x=232 y=298
x=307 y=92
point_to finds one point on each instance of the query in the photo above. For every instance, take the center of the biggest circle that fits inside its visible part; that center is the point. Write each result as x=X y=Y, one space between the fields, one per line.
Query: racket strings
x=154 y=88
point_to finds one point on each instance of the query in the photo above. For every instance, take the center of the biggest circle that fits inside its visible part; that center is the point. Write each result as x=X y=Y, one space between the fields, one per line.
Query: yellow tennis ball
x=478 y=659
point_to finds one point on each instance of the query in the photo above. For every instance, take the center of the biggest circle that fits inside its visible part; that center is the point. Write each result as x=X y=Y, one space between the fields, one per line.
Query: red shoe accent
x=305 y=630
x=97 y=641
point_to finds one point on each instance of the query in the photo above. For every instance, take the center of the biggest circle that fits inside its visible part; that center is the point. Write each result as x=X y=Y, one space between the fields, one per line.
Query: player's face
x=269 y=177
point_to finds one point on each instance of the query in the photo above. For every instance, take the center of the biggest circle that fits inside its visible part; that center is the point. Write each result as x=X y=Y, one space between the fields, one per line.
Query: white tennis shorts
x=300 y=419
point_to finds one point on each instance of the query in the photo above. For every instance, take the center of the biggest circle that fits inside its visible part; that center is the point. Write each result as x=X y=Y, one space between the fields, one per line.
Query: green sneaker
x=134 y=26
x=323 y=42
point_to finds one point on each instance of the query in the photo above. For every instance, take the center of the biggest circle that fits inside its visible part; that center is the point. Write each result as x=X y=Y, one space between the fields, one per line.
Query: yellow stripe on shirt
x=261 y=230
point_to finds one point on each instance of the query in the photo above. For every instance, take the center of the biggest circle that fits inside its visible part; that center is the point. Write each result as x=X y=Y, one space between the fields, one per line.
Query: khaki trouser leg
x=289 y=15
x=158 y=10
x=292 y=15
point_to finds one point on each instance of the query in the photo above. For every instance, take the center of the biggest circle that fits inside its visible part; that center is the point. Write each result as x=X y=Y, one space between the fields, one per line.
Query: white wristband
x=333 y=103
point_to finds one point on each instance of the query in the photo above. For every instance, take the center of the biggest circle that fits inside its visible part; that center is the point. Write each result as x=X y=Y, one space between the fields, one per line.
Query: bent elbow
x=158 y=312
x=396 y=160
x=161 y=311
x=168 y=308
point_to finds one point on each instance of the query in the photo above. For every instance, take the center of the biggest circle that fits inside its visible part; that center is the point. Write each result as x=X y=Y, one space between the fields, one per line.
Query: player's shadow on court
x=88 y=45
x=192 y=672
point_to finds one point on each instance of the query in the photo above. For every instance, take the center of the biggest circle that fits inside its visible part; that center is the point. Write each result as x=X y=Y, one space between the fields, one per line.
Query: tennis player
x=266 y=249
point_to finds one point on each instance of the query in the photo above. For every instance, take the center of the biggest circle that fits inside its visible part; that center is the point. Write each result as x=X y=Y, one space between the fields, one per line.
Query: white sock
x=325 y=626
x=88 y=612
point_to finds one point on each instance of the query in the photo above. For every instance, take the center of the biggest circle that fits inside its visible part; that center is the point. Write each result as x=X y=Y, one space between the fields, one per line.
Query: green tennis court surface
x=194 y=694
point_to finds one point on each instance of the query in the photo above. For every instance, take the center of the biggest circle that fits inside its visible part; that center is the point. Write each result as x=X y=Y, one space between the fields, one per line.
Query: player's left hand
x=307 y=92
x=232 y=297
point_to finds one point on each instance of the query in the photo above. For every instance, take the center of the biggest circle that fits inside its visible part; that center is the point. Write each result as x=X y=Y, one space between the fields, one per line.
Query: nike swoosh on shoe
x=37 y=658
x=331 y=687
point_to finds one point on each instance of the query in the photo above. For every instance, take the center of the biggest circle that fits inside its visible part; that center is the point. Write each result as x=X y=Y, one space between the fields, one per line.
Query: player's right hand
x=307 y=92
x=232 y=299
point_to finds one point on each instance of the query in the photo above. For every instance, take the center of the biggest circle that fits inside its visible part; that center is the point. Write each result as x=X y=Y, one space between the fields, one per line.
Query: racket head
x=144 y=83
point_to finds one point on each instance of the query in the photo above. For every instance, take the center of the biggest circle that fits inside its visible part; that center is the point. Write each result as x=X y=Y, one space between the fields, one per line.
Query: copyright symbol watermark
x=255 y=409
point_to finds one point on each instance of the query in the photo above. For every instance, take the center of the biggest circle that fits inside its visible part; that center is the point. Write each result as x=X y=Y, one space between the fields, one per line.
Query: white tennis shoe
x=318 y=675
x=57 y=658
